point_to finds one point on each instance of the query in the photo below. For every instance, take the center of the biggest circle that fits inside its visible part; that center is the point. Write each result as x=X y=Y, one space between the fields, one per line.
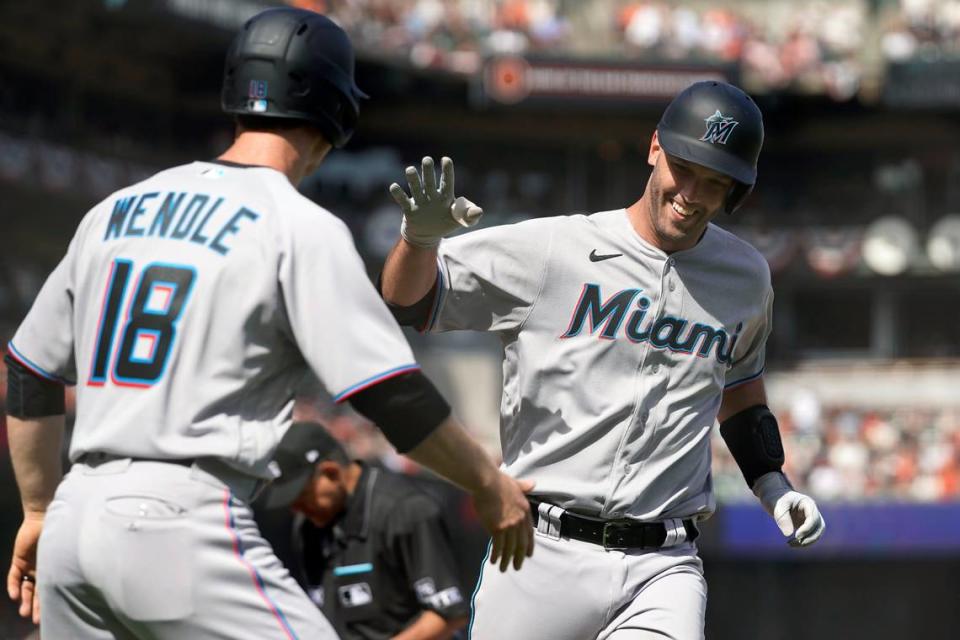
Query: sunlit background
x=547 y=107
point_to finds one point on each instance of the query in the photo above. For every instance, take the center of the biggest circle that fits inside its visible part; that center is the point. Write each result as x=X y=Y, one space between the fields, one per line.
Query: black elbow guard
x=753 y=438
x=29 y=395
x=406 y=408
x=416 y=315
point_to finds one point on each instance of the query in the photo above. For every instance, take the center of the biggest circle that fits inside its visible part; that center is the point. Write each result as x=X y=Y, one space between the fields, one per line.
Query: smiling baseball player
x=186 y=310
x=626 y=334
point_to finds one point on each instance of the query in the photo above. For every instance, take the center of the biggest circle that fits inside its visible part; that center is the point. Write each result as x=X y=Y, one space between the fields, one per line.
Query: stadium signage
x=514 y=80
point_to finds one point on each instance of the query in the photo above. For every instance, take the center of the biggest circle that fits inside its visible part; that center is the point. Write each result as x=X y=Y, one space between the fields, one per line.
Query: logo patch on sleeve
x=355 y=595
x=446 y=598
x=427 y=594
x=425 y=588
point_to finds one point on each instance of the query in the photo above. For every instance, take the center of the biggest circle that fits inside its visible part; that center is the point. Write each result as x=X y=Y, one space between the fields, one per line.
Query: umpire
x=369 y=547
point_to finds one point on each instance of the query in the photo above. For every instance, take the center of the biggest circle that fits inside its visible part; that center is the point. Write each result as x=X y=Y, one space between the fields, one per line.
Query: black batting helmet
x=295 y=64
x=718 y=126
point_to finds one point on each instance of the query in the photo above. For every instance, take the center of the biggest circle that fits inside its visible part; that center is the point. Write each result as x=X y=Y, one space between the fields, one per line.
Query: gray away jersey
x=616 y=354
x=188 y=307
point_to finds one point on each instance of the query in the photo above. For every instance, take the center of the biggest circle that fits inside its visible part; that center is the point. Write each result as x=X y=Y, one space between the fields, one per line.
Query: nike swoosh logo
x=595 y=257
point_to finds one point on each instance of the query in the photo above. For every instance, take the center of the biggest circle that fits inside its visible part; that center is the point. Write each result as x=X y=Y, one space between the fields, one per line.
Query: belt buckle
x=611 y=527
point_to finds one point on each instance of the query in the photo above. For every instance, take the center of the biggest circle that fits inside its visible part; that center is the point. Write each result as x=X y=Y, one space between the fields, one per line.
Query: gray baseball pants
x=163 y=551
x=573 y=590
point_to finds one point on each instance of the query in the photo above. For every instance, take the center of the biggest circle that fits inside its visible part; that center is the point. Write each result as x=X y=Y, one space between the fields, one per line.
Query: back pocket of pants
x=154 y=544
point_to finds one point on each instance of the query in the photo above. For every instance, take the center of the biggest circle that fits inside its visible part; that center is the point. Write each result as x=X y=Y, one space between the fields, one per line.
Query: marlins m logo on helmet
x=719 y=128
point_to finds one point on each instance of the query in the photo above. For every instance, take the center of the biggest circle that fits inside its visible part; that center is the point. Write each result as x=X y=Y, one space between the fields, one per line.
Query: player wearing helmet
x=626 y=334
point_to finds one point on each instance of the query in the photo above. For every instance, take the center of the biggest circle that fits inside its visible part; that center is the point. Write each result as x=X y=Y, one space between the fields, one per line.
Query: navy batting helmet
x=718 y=126
x=294 y=64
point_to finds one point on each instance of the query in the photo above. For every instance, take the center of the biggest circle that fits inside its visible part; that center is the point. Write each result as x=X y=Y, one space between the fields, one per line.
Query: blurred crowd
x=845 y=454
x=777 y=47
x=450 y=34
x=928 y=30
x=825 y=47
x=818 y=49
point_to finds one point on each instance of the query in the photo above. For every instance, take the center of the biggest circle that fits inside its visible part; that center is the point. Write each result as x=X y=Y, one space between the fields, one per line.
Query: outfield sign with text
x=516 y=80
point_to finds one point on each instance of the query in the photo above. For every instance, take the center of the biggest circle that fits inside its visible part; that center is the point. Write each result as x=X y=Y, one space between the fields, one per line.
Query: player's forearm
x=450 y=452
x=742 y=397
x=35 y=451
x=431 y=626
x=409 y=273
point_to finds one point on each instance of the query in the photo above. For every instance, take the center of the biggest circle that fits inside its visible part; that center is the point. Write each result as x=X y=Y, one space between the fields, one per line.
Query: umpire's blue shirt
x=384 y=562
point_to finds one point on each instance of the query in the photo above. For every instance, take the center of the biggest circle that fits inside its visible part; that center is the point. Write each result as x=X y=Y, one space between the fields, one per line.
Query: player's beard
x=673 y=230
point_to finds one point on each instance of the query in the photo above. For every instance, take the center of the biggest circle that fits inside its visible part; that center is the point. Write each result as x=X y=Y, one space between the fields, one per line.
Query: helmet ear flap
x=737 y=194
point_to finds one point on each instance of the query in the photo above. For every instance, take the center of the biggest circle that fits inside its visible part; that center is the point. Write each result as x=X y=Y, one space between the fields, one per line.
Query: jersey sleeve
x=490 y=279
x=422 y=544
x=749 y=355
x=44 y=342
x=341 y=326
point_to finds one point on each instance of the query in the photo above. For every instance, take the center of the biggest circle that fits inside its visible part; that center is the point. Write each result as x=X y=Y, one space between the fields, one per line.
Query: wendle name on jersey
x=167 y=219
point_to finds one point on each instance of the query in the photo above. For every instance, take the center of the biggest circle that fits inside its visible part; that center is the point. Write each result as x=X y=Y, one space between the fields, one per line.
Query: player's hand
x=796 y=514
x=504 y=512
x=432 y=212
x=24 y=563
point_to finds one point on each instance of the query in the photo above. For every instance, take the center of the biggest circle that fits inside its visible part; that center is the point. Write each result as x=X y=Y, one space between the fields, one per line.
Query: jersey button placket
x=620 y=460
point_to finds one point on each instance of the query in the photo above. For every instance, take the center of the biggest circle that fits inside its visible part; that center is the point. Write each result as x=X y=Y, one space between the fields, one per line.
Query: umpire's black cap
x=305 y=445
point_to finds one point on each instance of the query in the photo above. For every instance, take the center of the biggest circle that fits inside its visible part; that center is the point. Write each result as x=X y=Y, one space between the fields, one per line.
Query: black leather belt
x=616 y=534
x=94 y=458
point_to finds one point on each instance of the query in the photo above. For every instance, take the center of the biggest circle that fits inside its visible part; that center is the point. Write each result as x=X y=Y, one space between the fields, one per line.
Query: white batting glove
x=431 y=213
x=796 y=514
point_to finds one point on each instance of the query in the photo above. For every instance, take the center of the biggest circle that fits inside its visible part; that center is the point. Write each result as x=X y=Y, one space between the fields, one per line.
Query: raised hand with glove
x=432 y=212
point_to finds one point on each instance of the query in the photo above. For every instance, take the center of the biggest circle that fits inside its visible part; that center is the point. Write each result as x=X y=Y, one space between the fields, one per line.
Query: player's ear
x=654 y=151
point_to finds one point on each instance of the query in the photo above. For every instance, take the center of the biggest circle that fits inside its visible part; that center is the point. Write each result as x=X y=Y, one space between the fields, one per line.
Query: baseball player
x=626 y=334
x=185 y=311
